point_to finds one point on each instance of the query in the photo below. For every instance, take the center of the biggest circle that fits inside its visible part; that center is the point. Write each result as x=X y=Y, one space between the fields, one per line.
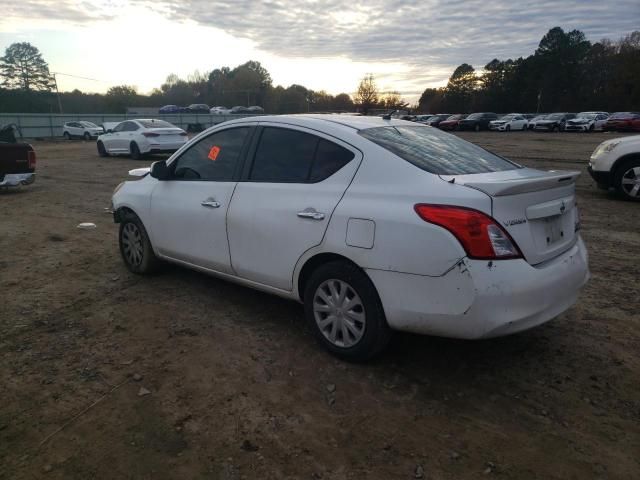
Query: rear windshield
x=435 y=151
x=155 y=124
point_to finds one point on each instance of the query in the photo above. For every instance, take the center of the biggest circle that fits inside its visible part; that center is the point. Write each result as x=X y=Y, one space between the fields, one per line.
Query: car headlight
x=605 y=148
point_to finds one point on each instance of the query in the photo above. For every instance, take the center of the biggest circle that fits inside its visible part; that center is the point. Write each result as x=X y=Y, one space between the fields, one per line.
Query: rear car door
x=282 y=206
x=188 y=211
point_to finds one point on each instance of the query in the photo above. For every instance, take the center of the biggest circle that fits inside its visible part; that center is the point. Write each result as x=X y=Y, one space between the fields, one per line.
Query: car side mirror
x=160 y=170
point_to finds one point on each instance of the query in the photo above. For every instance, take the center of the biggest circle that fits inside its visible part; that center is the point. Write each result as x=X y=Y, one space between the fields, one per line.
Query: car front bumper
x=601 y=177
x=482 y=299
x=15 y=179
x=577 y=128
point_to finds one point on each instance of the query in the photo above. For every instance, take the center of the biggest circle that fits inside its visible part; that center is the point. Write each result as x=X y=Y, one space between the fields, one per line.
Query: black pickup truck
x=17 y=159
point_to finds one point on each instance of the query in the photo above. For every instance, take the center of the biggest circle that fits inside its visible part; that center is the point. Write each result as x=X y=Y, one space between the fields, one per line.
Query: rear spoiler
x=497 y=187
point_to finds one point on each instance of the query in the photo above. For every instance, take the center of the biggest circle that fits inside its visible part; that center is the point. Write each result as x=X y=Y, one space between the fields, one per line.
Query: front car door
x=112 y=141
x=293 y=181
x=188 y=211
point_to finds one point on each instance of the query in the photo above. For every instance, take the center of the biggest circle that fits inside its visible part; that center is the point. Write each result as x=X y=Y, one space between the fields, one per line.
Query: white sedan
x=139 y=137
x=513 y=121
x=81 y=129
x=587 y=122
x=373 y=224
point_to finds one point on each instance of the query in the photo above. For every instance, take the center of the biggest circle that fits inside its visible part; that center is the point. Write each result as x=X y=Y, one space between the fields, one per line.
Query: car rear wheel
x=87 y=136
x=345 y=313
x=524 y=127
x=134 y=151
x=508 y=129
x=135 y=247
x=556 y=129
x=627 y=180
x=66 y=136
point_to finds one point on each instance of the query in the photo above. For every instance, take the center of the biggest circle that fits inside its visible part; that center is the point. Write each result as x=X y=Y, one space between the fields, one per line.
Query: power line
x=77 y=76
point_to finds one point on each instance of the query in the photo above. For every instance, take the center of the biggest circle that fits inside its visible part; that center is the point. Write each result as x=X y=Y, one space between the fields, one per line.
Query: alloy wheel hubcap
x=339 y=313
x=631 y=182
x=132 y=243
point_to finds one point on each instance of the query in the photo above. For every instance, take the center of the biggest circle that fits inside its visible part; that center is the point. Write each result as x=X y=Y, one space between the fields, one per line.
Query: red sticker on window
x=213 y=153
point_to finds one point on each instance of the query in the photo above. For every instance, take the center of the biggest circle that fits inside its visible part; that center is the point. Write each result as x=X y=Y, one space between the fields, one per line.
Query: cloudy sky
x=408 y=45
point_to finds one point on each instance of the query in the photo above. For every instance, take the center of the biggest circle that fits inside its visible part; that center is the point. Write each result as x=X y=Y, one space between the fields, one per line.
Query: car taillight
x=150 y=134
x=480 y=235
x=31 y=159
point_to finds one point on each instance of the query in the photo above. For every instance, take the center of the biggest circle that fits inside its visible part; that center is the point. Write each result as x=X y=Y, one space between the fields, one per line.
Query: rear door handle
x=210 y=203
x=311 y=213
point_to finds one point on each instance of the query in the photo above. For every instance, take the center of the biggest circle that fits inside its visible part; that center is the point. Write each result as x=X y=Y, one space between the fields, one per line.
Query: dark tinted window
x=156 y=124
x=435 y=151
x=329 y=159
x=212 y=158
x=284 y=155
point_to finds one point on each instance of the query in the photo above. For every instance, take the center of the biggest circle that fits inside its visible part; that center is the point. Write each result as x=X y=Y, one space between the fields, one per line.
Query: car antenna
x=387 y=116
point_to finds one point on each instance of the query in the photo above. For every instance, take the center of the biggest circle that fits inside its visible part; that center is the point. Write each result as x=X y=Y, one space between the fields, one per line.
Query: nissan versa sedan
x=374 y=225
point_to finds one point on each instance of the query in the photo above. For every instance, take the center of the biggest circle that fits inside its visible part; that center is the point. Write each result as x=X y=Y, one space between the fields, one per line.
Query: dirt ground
x=237 y=387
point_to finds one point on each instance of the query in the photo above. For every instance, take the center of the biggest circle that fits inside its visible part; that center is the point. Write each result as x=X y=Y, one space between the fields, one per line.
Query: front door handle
x=210 y=203
x=311 y=213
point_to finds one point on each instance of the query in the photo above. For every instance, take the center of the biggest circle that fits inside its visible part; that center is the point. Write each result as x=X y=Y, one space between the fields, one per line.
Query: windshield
x=89 y=124
x=554 y=116
x=436 y=152
x=588 y=116
x=474 y=116
x=507 y=117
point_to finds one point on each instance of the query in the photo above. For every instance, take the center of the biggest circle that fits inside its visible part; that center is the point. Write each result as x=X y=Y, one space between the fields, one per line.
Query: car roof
x=350 y=122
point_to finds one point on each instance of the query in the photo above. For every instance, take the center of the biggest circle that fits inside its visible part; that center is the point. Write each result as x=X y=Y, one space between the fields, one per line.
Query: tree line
x=565 y=73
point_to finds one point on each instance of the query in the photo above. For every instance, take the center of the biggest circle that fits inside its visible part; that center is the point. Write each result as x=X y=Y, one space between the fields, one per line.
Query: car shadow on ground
x=414 y=355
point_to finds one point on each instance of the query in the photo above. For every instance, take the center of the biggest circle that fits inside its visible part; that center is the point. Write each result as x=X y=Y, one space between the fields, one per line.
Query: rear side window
x=291 y=156
x=213 y=158
x=436 y=152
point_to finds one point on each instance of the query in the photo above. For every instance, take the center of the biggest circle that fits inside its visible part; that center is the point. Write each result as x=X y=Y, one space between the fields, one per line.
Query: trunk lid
x=167 y=135
x=538 y=209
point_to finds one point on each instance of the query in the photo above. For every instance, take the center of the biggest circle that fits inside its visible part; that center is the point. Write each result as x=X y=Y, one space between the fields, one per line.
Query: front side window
x=129 y=127
x=213 y=158
x=291 y=156
x=435 y=151
x=119 y=127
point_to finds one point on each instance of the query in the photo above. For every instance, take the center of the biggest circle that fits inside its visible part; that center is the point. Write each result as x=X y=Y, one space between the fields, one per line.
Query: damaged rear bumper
x=482 y=299
x=15 y=179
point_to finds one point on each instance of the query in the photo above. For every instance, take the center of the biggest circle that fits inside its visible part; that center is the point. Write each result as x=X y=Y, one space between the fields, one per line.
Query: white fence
x=42 y=125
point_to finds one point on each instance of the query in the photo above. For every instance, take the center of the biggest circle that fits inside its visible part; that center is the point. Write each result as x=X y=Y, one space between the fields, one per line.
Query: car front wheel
x=102 y=151
x=627 y=180
x=345 y=313
x=135 y=246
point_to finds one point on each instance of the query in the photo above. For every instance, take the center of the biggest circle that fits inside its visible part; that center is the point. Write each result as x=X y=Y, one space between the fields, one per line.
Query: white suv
x=81 y=129
x=616 y=164
x=373 y=224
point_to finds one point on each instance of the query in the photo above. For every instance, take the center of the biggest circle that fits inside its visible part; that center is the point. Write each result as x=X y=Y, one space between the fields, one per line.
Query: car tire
x=364 y=323
x=135 y=246
x=508 y=128
x=591 y=129
x=524 y=127
x=101 y=150
x=477 y=127
x=87 y=136
x=134 y=151
x=556 y=129
x=628 y=171
x=66 y=136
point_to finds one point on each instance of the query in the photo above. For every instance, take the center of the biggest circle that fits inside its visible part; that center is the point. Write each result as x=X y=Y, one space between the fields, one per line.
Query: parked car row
x=203 y=108
x=547 y=122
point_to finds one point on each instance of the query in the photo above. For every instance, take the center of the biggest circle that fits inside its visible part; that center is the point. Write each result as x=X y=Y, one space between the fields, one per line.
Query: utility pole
x=55 y=82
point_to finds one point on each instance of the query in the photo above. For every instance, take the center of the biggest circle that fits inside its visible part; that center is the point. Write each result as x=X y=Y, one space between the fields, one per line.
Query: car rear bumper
x=15 y=179
x=161 y=147
x=482 y=299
